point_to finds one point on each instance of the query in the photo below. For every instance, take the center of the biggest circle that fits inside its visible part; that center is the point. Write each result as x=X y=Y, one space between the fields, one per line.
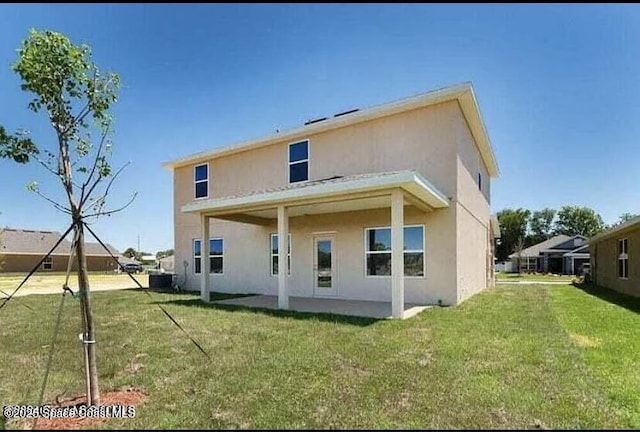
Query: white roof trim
x=612 y=232
x=495 y=226
x=463 y=93
x=410 y=181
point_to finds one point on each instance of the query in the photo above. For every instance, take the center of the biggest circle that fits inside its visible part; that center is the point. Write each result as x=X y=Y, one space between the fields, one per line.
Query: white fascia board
x=409 y=181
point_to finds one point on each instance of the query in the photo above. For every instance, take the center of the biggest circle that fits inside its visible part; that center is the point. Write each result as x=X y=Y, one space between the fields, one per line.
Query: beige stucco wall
x=25 y=263
x=247 y=257
x=473 y=215
x=434 y=141
x=422 y=140
x=604 y=262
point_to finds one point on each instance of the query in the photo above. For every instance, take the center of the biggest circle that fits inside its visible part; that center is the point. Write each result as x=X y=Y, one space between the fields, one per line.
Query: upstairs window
x=480 y=181
x=201 y=179
x=623 y=259
x=299 y=161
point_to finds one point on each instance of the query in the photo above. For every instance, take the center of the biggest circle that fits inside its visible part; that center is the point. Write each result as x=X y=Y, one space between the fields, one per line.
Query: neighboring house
x=390 y=203
x=148 y=259
x=561 y=254
x=615 y=258
x=167 y=264
x=22 y=249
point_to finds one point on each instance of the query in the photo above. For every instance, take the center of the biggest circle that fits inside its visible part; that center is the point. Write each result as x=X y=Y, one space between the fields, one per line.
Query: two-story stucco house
x=390 y=204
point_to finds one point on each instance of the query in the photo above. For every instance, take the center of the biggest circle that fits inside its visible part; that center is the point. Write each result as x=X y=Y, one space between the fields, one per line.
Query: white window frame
x=210 y=256
x=271 y=254
x=48 y=261
x=623 y=256
x=216 y=256
x=194 y=256
x=307 y=160
x=423 y=251
x=195 y=182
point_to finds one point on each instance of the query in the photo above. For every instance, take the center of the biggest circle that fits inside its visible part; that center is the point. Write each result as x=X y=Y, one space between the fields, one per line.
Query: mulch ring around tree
x=77 y=415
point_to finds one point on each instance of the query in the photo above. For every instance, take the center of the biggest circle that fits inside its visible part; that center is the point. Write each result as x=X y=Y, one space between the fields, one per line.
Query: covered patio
x=359 y=308
x=393 y=190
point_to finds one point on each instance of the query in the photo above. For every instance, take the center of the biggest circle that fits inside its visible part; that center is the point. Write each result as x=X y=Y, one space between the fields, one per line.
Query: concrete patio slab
x=361 y=308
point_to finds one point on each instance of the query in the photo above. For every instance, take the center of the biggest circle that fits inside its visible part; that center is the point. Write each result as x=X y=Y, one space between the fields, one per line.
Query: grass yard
x=40 y=280
x=501 y=276
x=529 y=356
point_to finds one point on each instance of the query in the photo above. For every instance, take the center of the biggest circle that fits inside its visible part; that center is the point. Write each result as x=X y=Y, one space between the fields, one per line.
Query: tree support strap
x=56 y=331
x=36 y=267
x=147 y=292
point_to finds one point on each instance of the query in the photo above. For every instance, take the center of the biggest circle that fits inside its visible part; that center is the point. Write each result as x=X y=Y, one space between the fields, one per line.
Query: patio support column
x=205 y=283
x=572 y=270
x=397 y=253
x=283 y=246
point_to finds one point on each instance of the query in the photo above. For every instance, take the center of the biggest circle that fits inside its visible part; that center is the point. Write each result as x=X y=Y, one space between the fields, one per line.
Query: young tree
x=575 y=220
x=541 y=224
x=69 y=88
x=1 y=255
x=131 y=253
x=519 y=247
x=164 y=253
x=513 y=228
x=625 y=217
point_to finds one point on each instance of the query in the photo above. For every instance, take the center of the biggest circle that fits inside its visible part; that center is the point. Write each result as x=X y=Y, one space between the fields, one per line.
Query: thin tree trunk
x=93 y=398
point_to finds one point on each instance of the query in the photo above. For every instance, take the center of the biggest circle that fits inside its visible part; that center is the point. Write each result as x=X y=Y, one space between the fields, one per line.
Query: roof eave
x=410 y=182
x=471 y=111
x=461 y=92
x=617 y=230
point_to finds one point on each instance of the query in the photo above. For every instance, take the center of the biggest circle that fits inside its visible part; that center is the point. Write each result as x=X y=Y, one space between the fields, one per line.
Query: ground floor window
x=623 y=258
x=378 y=251
x=528 y=264
x=274 y=255
x=47 y=264
x=216 y=256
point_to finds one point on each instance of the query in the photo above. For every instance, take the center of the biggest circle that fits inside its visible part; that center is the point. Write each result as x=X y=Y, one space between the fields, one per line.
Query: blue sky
x=558 y=86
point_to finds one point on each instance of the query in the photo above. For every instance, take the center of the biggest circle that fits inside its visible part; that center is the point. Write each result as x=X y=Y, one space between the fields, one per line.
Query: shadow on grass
x=277 y=313
x=624 y=300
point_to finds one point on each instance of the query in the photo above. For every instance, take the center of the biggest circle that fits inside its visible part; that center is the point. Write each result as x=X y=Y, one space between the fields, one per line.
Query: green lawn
x=501 y=276
x=511 y=357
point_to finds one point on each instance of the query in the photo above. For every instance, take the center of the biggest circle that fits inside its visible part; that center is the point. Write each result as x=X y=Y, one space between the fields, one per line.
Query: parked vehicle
x=133 y=268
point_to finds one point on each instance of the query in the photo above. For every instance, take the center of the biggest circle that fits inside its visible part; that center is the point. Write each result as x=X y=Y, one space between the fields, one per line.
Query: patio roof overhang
x=338 y=194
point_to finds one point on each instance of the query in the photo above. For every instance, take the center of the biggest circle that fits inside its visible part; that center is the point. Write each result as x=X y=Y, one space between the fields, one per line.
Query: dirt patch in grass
x=126 y=398
x=585 y=341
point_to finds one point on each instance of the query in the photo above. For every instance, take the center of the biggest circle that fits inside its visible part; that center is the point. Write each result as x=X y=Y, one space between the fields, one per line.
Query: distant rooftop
x=38 y=242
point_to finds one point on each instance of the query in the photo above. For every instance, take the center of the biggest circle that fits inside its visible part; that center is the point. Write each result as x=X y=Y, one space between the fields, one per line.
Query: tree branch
x=47 y=167
x=63 y=144
x=86 y=198
x=95 y=163
x=85 y=110
x=101 y=213
x=55 y=204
